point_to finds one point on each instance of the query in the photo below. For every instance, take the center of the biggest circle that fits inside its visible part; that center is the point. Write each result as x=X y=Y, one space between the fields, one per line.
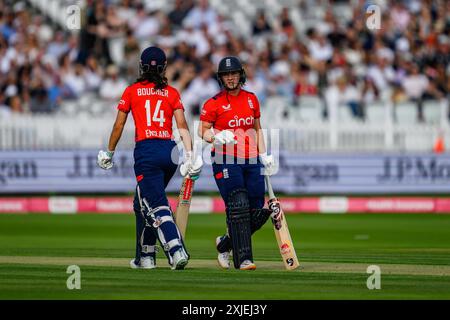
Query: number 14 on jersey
x=158 y=115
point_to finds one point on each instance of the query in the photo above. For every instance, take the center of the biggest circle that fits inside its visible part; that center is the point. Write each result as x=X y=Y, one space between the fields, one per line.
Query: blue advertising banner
x=77 y=171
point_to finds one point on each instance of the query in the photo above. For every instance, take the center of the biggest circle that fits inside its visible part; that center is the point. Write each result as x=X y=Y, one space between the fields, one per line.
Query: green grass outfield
x=413 y=252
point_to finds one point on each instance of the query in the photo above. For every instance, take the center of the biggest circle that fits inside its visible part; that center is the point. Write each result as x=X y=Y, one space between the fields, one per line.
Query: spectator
x=92 y=74
x=145 y=25
x=303 y=84
x=15 y=104
x=131 y=55
x=75 y=81
x=200 y=89
x=399 y=16
x=5 y=110
x=417 y=87
x=181 y=74
x=255 y=84
x=381 y=74
x=287 y=27
x=179 y=12
x=195 y=38
x=343 y=93
x=58 y=46
x=319 y=47
x=260 y=25
x=40 y=102
x=112 y=86
x=202 y=14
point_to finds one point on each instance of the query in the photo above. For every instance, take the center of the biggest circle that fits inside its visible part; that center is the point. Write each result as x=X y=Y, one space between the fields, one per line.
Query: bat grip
x=269 y=187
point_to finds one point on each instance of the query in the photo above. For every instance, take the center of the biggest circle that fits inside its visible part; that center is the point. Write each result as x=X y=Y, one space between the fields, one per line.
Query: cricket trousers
x=156 y=162
x=242 y=173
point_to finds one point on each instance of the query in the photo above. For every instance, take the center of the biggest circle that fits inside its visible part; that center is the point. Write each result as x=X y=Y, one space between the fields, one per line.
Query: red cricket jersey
x=152 y=109
x=237 y=114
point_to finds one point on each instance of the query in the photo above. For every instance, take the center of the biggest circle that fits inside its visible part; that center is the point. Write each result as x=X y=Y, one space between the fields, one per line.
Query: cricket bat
x=281 y=229
x=184 y=204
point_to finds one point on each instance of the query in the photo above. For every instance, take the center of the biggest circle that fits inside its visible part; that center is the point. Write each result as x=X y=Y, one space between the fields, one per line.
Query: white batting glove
x=190 y=166
x=224 y=137
x=104 y=159
x=268 y=162
x=187 y=163
x=196 y=168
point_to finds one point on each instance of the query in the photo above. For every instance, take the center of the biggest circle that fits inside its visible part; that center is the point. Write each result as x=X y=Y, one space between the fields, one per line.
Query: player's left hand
x=104 y=159
x=268 y=162
x=191 y=166
x=187 y=163
x=196 y=168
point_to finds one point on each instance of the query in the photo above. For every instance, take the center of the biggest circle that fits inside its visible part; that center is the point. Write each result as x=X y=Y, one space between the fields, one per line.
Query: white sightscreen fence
x=84 y=132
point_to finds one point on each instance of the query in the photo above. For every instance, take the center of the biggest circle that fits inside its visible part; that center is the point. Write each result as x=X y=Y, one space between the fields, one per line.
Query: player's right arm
x=192 y=164
x=206 y=131
x=104 y=158
x=183 y=129
x=117 y=130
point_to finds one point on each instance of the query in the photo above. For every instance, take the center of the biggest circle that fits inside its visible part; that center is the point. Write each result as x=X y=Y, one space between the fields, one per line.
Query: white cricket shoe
x=247 y=265
x=148 y=263
x=180 y=259
x=145 y=263
x=223 y=258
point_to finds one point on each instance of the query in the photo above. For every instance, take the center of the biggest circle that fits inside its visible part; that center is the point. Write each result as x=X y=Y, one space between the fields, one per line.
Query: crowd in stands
x=407 y=59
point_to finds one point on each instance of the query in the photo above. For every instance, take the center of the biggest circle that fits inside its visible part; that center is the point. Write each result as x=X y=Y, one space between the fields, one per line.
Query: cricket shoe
x=224 y=257
x=145 y=263
x=180 y=259
x=247 y=265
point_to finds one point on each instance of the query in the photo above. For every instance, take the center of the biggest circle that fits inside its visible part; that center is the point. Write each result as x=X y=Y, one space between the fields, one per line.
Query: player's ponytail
x=159 y=80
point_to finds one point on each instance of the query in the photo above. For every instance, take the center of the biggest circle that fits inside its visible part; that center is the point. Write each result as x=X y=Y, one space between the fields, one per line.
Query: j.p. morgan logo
x=85 y=166
x=17 y=170
x=308 y=173
x=417 y=169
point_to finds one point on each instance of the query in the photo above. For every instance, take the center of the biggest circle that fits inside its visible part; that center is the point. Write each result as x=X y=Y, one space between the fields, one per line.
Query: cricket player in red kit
x=231 y=122
x=153 y=104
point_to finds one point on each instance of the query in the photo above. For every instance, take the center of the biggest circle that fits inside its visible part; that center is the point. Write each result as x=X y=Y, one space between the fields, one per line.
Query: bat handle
x=269 y=187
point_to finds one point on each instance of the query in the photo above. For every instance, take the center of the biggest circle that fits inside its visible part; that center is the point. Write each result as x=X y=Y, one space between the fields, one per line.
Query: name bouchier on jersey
x=152 y=91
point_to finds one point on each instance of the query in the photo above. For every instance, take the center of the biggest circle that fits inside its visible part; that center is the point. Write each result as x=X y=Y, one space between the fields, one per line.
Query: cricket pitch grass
x=412 y=252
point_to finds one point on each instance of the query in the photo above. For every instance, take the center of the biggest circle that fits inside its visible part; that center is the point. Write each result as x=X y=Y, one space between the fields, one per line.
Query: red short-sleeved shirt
x=237 y=114
x=152 y=109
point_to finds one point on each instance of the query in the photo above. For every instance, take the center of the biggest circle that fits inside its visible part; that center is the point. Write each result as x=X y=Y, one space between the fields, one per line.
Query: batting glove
x=224 y=137
x=268 y=162
x=196 y=168
x=190 y=166
x=104 y=159
x=187 y=163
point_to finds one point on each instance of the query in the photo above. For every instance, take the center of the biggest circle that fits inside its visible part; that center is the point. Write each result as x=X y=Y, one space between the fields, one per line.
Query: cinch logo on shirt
x=238 y=122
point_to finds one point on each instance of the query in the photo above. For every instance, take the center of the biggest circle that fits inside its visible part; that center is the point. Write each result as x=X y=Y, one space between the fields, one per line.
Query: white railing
x=75 y=127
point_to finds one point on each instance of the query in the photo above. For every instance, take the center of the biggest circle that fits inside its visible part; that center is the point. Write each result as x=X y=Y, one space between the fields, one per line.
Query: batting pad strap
x=172 y=243
x=155 y=210
x=162 y=219
x=148 y=249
